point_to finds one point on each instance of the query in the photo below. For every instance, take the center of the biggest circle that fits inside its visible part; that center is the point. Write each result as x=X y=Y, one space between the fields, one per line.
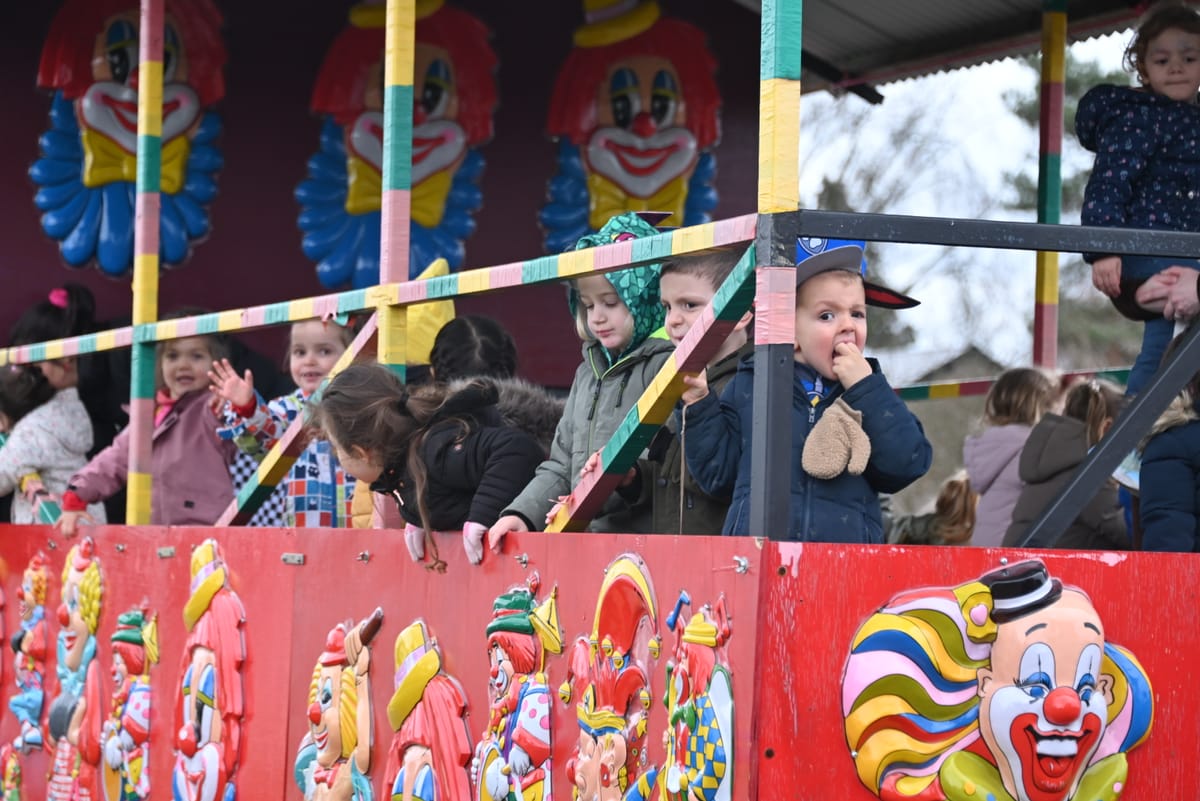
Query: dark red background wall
x=253 y=255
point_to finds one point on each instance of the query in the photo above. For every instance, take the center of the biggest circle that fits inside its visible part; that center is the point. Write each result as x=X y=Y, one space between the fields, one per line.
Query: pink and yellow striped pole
x=145 y=258
x=400 y=51
x=1054 y=57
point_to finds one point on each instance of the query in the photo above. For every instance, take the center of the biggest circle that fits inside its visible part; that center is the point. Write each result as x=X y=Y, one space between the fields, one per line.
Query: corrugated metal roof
x=855 y=45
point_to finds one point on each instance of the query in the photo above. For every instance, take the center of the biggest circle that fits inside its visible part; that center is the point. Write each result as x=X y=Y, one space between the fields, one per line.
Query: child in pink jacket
x=189 y=462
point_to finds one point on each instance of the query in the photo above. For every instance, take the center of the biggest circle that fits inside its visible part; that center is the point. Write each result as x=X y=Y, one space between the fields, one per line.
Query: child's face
x=315 y=347
x=684 y=296
x=608 y=317
x=831 y=308
x=185 y=365
x=364 y=465
x=1172 y=65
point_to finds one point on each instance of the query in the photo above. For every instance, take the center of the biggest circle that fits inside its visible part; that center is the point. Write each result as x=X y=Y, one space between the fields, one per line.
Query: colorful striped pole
x=1054 y=57
x=400 y=52
x=145 y=260
x=774 y=335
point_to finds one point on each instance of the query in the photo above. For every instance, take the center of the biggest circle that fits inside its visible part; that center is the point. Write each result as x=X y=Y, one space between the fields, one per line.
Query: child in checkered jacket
x=318 y=491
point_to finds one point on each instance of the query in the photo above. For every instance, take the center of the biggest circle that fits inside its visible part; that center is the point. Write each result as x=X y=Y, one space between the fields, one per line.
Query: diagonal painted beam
x=279 y=460
x=655 y=405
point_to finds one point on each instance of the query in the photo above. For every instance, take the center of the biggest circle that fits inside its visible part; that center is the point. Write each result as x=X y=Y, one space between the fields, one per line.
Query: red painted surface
x=794 y=613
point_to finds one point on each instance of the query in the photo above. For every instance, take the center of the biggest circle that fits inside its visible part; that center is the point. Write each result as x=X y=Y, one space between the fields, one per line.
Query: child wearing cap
x=620 y=320
x=852 y=437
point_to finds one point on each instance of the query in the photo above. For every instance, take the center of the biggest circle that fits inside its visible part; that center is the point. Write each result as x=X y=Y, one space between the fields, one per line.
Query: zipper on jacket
x=621 y=389
x=595 y=400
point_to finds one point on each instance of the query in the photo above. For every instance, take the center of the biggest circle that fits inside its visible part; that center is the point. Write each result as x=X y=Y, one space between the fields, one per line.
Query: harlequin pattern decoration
x=699 y=743
x=609 y=681
x=512 y=761
x=335 y=754
x=211 y=701
x=430 y=747
x=126 y=732
x=452 y=117
x=635 y=111
x=1000 y=688
x=76 y=712
x=87 y=168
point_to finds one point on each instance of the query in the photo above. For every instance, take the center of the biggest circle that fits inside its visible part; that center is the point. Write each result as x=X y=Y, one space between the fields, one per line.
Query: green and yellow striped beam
x=400 y=51
x=1050 y=125
x=145 y=258
x=655 y=405
x=275 y=465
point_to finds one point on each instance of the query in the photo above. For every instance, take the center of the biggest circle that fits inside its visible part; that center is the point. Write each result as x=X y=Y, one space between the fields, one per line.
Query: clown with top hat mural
x=454 y=99
x=512 y=761
x=1001 y=688
x=88 y=167
x=636 y=112
x=126 y=733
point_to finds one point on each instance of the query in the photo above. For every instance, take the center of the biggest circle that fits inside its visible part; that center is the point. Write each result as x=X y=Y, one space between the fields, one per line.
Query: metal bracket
x=166 y=552
x=741 y=565
x=364 y=556
x=293 y=558
x=523 y=558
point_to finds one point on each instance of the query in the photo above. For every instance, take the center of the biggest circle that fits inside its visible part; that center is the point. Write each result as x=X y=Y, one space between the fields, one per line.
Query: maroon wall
x=253 y=255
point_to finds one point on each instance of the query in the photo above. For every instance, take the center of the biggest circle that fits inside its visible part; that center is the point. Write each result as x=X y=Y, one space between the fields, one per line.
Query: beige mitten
x=837 y=443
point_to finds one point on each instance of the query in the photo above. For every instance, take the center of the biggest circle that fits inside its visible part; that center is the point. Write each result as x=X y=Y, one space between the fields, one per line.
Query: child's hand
x=697 y=387
x=227 y=384
x=504 y=525
x=68 y=522
x=414 y=540
x=1152 y=294
x=562 y=499
x=1106 y=275
x=473 y=534
x=593 y=463
x=849 y=365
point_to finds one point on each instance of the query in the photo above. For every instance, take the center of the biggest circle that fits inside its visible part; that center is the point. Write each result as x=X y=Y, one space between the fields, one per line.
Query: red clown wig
x=66 y=62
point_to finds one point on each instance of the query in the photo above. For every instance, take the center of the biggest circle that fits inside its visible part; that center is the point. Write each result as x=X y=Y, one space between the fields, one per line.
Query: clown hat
x=1021 y=589
x=545 y=622
x=417 y=662
x=208 y=576
x=815 y=255
x=335 y=647
x=607 y=22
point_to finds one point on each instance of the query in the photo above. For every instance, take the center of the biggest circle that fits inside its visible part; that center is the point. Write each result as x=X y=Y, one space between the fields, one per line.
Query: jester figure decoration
x=512 y=761
x=335 y=754
x=212 y=701
x=127 y=731
x=635 y=111
x=699 y=702
x=609 y=679
x=88 y=167
x=75 y=712
x=29 y=655
x=430 y=748
x=1002 y=688
x=454 y=99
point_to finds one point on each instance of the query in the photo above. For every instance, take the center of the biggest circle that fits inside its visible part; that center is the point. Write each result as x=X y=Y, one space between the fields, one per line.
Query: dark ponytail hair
x=22 y=389
x=367 y=406
x=1093 y=402
x=471 y=346
x=67 y=311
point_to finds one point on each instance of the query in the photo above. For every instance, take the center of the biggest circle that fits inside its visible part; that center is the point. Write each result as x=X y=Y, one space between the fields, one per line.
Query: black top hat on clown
x=1020 y=589
x=815 y=255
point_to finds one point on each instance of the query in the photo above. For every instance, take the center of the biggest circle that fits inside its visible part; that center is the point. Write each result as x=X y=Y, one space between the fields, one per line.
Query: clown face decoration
x=635 y=109
x=87 y=172
x=1049 y=715
x=454 y=98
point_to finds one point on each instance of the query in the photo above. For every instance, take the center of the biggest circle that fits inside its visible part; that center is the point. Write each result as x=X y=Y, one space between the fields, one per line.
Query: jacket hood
x=637 y=287
x=524 y=406
x=986 y=454
x=1181 y=411
x=1057 y=443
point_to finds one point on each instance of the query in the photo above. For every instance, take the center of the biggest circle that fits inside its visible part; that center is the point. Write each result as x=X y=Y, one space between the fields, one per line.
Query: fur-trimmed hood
x=524 y=406
x=1181 y=411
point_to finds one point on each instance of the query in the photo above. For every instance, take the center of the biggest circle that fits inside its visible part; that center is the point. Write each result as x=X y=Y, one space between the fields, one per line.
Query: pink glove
x=414 y=538
x=473 y=534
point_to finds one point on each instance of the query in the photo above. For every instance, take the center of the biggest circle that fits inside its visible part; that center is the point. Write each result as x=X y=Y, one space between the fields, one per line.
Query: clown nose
x=314 y=713
x=1062 y=706
x=643 y=124
x=64 y=617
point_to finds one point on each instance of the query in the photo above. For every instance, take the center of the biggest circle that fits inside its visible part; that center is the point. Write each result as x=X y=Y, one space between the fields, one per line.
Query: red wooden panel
x=815 y=597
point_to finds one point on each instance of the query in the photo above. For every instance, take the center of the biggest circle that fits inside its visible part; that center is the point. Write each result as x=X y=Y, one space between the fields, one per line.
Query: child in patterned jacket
x=318 y=490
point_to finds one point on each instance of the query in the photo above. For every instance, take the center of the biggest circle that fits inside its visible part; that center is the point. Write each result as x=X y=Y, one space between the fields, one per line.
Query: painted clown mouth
x=125 y=112
x=640 y=161
x=321 y=738
x=1054 y=758
x=69 y=639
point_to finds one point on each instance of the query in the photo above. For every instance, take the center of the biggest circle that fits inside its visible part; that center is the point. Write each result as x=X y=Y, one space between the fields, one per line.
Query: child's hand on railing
x=473 y=535
x=593 y=463
x=227 y=384
x=504 y=525
x=69 y=522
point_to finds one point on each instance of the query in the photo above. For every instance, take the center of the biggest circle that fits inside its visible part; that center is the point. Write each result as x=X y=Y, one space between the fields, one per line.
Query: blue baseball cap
x=816 y=255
